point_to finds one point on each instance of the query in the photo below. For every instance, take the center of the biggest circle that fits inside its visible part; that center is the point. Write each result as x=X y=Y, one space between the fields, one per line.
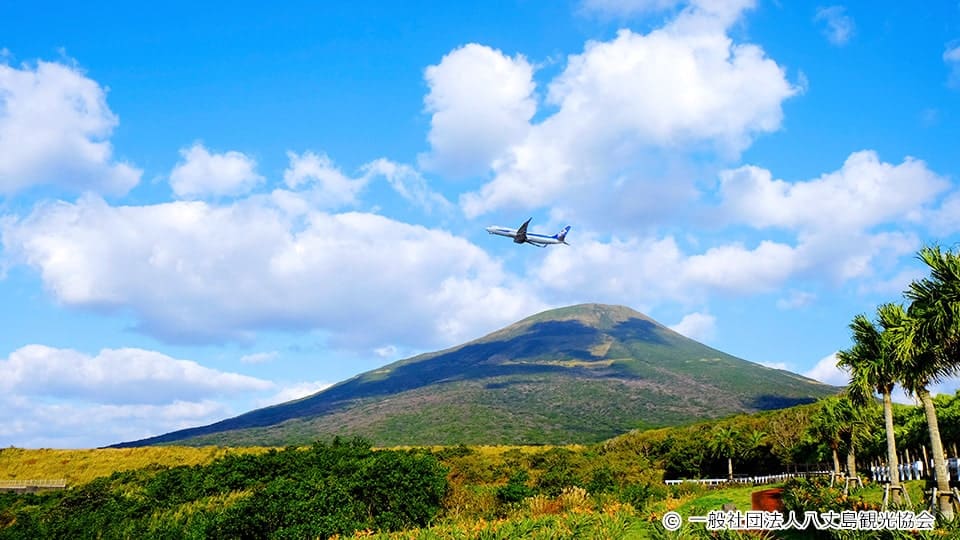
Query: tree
x=827 y=425
x=930 y=339
x=921 y=366
x=935 y=305
x=725 y=442
x=874 y=367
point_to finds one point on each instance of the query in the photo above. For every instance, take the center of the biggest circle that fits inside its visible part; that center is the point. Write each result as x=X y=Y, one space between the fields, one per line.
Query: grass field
x=572 y=514
x=82 y=466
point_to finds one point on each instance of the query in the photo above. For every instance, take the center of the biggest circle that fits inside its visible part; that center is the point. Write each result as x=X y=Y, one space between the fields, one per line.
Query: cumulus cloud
x=33 y=423
x=618 y=271
x=826 y=371
x=480 y=101
x=735 y=268
x=202 y=174
x=863 y=193
x=116 y=395
x=697 y=325
x=851 y=224
x=129 y=376
x=861 y=199
x=639 y=99
x=648 y=271
x=838 y=26
x=252 y=265
x=55 y=127
x=328 y=186
x=945 y=220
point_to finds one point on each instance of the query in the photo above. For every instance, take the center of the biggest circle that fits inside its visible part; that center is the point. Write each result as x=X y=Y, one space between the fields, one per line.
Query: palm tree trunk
x=836 y=460
x=892 y=464
x=851 y=463
x=936 y=446
x=730 y=468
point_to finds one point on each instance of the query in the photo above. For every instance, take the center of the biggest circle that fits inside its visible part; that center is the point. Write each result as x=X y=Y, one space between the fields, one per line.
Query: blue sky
x=207 y=209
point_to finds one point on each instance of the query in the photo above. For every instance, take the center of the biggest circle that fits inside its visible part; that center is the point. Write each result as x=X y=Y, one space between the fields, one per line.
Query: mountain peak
x=595 y=315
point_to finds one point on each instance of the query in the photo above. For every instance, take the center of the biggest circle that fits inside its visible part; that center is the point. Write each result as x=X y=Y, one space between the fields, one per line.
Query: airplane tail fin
x=562 y=235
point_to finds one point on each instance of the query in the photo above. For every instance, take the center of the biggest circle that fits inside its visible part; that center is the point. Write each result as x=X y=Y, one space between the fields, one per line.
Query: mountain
x=571 y=375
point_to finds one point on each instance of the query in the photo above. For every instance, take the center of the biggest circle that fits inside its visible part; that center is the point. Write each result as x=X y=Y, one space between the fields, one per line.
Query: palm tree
x=935 y=304
x=725 y=442
x=922 y=365
x=854 y=430
x=932 y=340
x=873 y=366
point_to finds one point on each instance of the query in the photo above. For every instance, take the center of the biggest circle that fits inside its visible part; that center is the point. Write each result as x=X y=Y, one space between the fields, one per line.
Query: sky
x=210 y=208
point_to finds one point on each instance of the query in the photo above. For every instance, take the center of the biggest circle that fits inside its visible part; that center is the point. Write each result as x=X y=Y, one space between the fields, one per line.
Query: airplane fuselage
x=531 y=237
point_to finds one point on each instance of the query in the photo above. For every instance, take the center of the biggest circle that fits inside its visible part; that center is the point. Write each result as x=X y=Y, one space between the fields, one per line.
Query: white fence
x=752 y=480
x=30 y=485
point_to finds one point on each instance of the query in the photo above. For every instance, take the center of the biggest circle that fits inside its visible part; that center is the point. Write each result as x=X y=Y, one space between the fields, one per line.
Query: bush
x=516 y=489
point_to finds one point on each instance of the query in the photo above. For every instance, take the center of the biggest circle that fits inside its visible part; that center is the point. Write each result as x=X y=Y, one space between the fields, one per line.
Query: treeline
x=321 y=491
x=798 y=438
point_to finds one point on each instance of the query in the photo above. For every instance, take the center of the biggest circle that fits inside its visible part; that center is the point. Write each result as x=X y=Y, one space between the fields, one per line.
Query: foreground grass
x=82 y=466
x=470 y=510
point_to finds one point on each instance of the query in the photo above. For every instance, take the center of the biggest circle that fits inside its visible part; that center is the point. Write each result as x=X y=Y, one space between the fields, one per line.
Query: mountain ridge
x=573 y=374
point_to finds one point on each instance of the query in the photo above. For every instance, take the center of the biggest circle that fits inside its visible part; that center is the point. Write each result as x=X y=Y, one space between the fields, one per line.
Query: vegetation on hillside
x=580 y=374
x=292 y=493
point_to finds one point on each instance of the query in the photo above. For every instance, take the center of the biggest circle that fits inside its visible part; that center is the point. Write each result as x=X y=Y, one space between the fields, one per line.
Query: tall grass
x=82 y=466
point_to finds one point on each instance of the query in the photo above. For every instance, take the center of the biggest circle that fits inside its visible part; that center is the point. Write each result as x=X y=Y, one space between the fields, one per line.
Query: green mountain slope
x=577 y=374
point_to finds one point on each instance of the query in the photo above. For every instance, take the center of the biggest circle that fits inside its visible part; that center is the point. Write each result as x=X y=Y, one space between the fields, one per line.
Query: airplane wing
x=521 y=236
x=538 y=244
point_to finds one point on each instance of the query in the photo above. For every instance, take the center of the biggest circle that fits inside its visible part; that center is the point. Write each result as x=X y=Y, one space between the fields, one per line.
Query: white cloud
x=826 y=371
x=202 y=174
x=250 y=265
x=295 y=391
x=259 y=358
x=618 y=271
x=839 y=26
x=735 y=268
x=55 y=127
x=698 y=326
x=480 y=101
x=408 y=183
x=946 y=219
x=627 y=107
x=623 y=271
x=863 y=193
x=841 y=219
x=329 y=187
x=115 y=395
x=35 y=423
x=128 y=376
x=952 y=58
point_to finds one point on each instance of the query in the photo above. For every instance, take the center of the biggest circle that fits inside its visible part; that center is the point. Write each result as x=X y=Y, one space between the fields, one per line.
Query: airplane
x=521 y=235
